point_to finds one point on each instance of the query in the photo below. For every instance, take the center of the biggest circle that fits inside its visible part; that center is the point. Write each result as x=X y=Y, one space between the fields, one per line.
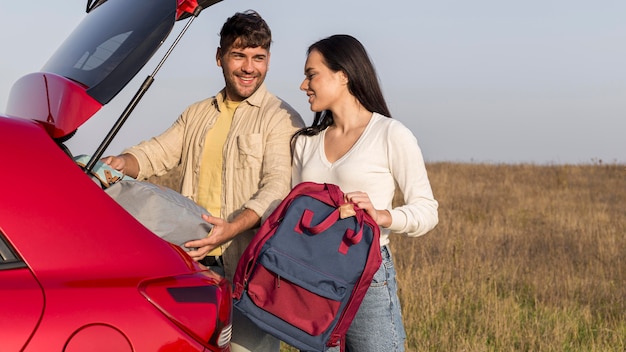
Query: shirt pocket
x=250 y=151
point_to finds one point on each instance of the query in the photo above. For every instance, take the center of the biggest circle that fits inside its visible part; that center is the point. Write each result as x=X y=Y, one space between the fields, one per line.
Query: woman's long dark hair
x=342 y=52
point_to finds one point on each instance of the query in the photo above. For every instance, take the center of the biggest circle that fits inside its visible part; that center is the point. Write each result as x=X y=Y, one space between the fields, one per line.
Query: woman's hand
x=362 y=200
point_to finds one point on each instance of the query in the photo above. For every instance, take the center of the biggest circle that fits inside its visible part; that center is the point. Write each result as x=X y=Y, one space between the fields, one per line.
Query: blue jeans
x=377 y=326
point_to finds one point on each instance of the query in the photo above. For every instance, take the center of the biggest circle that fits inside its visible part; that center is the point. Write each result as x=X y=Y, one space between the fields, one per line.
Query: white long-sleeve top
x=385 y=154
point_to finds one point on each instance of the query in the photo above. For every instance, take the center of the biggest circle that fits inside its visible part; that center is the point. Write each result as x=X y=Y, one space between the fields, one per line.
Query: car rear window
x=112 y=44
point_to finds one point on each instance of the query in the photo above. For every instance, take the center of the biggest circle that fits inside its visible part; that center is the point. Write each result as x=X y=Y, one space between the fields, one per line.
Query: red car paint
x=77 y=272
x=60 y=104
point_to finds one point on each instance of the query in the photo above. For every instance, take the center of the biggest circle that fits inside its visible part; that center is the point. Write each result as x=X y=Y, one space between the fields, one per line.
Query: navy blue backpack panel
x=306 y=271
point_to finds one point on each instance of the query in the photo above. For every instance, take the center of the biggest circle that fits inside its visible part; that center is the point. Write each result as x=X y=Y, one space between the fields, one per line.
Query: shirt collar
x=255 y=99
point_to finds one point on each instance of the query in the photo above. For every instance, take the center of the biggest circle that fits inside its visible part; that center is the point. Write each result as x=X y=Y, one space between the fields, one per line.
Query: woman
x=354 y=144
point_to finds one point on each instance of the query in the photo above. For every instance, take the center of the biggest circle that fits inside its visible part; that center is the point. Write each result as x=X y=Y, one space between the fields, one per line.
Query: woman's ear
x=343 y=78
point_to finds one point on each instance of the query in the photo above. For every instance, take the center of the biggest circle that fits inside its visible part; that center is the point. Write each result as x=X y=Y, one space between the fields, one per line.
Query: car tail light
x=198 y=303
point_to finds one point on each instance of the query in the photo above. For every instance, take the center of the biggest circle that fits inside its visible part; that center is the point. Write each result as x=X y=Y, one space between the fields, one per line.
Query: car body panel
x=77 y=271
x=19 y=285
x=71 y=221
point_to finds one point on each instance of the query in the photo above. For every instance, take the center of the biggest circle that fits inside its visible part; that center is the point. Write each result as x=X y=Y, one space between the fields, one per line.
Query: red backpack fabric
x=306 y=271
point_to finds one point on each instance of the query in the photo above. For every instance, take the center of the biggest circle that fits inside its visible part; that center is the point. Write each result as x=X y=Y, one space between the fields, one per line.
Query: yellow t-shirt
x=211 y=163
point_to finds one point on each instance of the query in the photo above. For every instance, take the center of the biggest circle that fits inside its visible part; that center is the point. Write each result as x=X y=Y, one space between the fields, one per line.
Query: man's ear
x=218 y=57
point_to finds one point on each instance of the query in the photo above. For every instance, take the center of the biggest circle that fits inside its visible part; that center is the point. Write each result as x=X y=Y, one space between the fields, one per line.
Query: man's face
x=244 y=70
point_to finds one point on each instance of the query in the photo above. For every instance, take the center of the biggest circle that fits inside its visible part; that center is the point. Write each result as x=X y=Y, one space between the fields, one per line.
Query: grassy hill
x=525 y=258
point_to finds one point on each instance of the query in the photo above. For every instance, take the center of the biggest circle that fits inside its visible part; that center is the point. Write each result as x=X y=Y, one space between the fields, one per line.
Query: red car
x=77 y=272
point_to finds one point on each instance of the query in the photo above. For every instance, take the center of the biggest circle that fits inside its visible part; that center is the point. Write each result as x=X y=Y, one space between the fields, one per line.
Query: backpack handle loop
x=350 y=237
x=307 y=218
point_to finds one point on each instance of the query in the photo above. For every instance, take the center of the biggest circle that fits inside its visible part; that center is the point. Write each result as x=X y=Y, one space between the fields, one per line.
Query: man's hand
x=124 y=163
x=221 y=233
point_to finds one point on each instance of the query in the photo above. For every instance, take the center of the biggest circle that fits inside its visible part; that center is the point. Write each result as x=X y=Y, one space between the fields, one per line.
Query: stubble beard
x=239 y=92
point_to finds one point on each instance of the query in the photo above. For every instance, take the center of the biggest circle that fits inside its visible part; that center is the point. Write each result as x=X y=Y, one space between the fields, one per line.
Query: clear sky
x=539 y=81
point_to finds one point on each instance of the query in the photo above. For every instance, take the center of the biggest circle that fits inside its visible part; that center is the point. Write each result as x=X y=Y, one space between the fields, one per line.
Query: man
x=234 y=151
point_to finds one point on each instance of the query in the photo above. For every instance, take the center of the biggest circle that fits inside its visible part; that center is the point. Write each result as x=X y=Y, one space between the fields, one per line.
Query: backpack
x=304 y=274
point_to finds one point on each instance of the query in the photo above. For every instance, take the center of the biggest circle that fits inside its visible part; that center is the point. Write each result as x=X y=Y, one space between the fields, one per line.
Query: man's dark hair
x=245 y=30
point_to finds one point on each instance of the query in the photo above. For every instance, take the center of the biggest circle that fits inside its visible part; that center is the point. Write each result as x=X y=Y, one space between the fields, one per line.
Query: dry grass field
x=525 y=258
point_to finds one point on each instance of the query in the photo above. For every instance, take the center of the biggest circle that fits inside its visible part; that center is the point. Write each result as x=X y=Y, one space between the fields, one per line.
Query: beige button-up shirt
x=257 y=157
